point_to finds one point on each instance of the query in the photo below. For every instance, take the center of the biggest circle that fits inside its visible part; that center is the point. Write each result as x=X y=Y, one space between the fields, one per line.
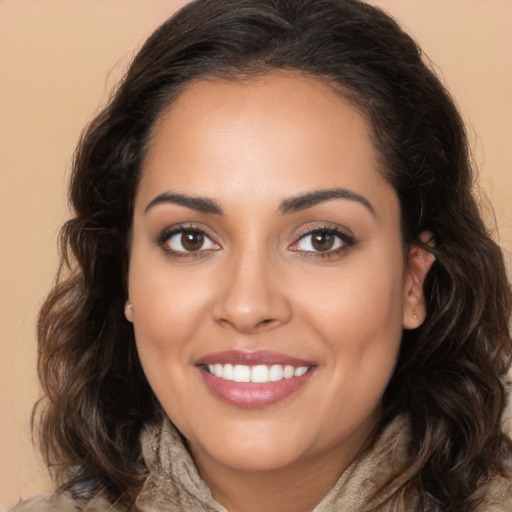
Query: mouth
x=256 y=374
x=253 y=379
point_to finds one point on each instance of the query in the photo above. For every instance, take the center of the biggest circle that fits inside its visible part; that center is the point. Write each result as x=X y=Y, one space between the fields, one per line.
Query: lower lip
x=252 y=395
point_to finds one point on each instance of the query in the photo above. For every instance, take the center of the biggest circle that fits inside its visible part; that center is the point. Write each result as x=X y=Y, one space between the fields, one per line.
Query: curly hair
x=448 y=377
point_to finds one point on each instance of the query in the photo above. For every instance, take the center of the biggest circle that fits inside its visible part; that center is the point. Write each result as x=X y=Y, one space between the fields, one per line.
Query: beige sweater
x=173 y=484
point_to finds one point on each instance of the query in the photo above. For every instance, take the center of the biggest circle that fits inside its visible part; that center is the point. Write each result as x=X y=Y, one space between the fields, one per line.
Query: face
x=267 y=273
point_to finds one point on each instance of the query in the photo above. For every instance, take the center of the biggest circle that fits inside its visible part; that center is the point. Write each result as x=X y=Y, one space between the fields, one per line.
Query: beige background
x=58 y=61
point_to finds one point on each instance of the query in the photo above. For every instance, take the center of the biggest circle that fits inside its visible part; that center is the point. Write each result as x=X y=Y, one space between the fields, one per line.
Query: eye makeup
x=324 y=242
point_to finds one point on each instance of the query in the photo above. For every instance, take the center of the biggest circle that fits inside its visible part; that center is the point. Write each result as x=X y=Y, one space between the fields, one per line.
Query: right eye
x=188 y=240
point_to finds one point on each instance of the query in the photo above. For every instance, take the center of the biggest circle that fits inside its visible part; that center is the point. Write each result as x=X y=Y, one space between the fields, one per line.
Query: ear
x=419 y=262
x=128 y=310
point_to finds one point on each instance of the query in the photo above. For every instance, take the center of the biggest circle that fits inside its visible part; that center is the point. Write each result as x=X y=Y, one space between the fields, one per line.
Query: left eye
x=320 y=240
x=189 y=240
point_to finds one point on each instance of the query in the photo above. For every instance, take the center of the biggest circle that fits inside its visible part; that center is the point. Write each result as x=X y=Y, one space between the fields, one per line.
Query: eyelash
x=347 y=242
x=164 y=238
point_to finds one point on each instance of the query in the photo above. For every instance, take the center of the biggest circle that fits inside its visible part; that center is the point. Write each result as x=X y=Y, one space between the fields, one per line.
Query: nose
x=252 y=297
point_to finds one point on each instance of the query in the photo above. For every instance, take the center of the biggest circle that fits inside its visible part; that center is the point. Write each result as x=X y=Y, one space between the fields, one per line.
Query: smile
x=257 y=374
x=253 y=379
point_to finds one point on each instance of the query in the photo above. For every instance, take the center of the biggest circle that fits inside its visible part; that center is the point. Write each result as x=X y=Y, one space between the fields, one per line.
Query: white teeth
x=289 y=371
x=276 y=373
x=300 y=371
x=259 y=373
x=228 y=372
x=242 y=373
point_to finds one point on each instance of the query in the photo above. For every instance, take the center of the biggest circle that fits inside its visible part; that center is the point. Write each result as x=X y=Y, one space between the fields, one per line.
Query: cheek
x=167 y=317
x=358 y=299
x=168 y=307
x=358 y=315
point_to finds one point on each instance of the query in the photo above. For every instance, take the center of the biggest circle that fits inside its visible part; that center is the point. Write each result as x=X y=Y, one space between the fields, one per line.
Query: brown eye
x=322 y=240
x=188 y=241
x=192 y=240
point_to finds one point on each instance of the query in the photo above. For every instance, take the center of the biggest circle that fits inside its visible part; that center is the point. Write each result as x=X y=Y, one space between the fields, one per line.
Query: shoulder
x=48 y=502
x=496 y=495
x=61 y=502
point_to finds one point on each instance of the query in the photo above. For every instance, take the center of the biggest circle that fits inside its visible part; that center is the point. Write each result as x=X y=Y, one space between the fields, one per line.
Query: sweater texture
x=174 y=485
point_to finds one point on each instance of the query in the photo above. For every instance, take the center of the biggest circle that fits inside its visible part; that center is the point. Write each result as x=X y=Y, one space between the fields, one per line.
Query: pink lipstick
x=253 y=379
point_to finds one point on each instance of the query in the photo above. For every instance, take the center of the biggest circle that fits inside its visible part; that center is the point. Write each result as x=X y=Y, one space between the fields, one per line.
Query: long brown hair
x=449 y=371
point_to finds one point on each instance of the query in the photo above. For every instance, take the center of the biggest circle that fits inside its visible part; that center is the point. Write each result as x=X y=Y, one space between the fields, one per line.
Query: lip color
x=251 y=394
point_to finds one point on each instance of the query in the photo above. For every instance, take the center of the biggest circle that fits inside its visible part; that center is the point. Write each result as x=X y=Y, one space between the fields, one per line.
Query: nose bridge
x=251 y=297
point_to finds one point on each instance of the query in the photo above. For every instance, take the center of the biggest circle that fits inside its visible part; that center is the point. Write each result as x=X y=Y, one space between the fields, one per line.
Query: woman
x=280 y=295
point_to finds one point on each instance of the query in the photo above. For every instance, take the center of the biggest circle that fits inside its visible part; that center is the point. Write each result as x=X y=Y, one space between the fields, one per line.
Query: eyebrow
x=290 y=205
x=305 y=201
x=201 y=204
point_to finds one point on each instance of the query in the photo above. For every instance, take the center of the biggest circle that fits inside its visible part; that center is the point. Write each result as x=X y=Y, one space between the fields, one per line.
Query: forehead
x=274 y=135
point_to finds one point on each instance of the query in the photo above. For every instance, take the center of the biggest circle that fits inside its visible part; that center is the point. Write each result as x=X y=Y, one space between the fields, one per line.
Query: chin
x=252 y=459
x=242 y=450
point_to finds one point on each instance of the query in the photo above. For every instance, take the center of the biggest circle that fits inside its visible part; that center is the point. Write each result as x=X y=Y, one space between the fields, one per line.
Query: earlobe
x=420 y=260
x=128 y=311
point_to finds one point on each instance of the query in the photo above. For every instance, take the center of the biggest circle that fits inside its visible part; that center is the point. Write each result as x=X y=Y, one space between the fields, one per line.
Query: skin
x=257 y=283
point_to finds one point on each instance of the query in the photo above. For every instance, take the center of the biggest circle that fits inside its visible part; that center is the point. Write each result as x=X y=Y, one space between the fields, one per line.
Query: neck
x=275 y=491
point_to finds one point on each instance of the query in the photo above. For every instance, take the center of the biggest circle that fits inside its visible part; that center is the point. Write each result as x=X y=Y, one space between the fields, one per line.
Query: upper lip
x=251 y=358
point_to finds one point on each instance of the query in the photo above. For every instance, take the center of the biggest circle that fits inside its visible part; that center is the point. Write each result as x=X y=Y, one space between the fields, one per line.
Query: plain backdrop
x=59 y=60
